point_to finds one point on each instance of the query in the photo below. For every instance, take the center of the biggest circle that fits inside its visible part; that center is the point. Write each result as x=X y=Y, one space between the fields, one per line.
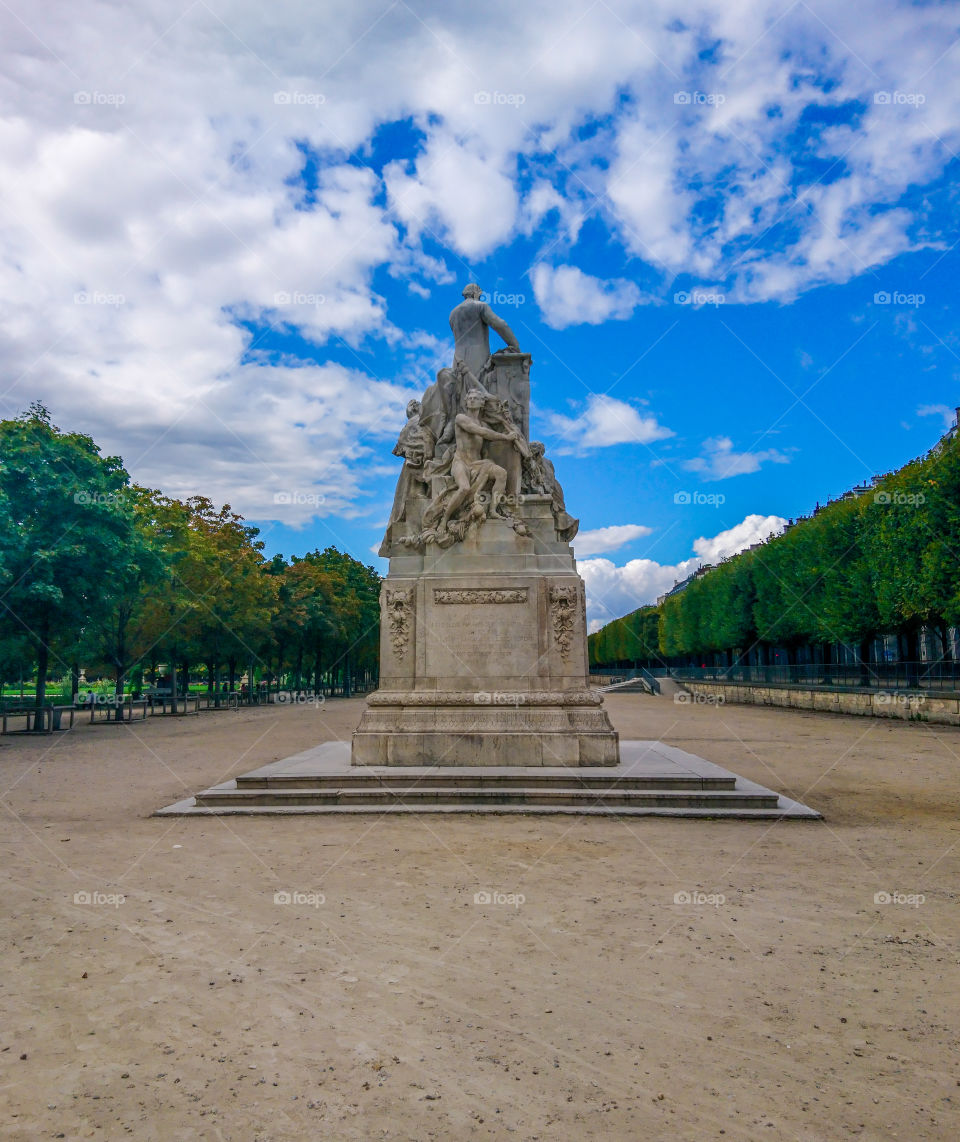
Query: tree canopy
x=95 y=569
x=886 y=560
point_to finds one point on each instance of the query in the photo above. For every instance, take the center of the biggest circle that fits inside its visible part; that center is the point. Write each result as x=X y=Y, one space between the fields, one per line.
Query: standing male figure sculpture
x=471 y=322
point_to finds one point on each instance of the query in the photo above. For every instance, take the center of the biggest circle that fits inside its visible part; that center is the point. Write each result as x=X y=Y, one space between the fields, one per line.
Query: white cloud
x=458 y=190
x=734 y=539
x=568 y=296
x=719 y=460
x=158 y=160
x=948 y=414
x=608 y=538
x=613 y=591
x=604 y=422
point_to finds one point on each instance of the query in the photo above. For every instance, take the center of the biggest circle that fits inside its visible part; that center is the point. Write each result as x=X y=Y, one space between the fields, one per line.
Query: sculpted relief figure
x=464 y=446
x=471 y=322
x=540 y=476
x=437 y=412
x=471 y=472
x=412 y=444
x=468 y=486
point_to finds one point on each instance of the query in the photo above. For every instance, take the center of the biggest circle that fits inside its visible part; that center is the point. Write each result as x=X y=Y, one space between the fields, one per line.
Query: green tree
x=66 y=532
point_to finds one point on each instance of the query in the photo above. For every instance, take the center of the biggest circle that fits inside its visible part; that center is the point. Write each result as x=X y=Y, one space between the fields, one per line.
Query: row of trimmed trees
x=883 y=562
x=98 y=572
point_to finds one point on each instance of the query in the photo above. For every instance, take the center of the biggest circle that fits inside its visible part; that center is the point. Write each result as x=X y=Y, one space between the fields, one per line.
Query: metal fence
x=848 y=676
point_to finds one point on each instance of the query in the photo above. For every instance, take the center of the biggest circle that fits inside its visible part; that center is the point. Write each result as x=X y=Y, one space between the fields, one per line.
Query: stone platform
x=652 y=780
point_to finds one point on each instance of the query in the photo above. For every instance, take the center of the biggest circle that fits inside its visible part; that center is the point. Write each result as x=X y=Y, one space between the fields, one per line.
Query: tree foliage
x=887 y=560
x=94 y=569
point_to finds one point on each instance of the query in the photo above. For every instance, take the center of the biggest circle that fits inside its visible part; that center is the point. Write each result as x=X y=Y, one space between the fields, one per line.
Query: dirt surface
x=182 y=1002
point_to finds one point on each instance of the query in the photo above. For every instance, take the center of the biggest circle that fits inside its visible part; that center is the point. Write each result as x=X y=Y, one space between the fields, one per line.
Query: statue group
x=483 y=632
x=466 y=448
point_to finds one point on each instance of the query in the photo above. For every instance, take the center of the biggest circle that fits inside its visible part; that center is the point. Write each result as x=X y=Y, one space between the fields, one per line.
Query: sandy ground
x=183 y=1003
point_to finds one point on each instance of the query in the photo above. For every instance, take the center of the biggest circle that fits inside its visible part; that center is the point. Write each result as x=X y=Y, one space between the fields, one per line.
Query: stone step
x=462 y=797
x=653 y=780
x=439 y=779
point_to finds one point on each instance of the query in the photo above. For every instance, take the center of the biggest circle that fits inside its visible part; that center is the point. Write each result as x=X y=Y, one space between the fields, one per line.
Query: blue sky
x=725 y=232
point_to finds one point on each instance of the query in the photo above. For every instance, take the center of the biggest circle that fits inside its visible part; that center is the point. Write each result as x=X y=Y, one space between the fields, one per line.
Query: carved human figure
x=471 y=322
x=471 y=472
x=543 y=478
x=412 y=446
x=438 y=408
x=409 y=443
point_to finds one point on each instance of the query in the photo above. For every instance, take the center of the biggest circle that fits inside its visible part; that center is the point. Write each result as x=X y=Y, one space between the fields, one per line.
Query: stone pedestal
x=483 y=651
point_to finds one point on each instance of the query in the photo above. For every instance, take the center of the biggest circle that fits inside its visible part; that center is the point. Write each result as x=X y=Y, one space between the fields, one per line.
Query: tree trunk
x=185 y=668
x=43 y=660
x=863 y=661
x=317 y=675
x=913 y=656
x=118 y=693
x=945 y=648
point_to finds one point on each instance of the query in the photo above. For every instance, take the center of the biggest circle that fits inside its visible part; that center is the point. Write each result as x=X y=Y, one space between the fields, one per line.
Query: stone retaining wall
x=919 y=706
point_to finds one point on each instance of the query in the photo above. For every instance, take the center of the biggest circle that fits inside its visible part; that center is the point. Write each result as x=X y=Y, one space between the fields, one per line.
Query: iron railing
x=942 y=675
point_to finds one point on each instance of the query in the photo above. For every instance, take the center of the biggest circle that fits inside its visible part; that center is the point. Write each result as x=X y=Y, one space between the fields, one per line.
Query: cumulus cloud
x=613 y=591
x=177 y=190
x=602 y=539
x=455 y=189
x=949 y=415
x=734 y=539
x=605 y=421
x=568 y=296
x=719 y=460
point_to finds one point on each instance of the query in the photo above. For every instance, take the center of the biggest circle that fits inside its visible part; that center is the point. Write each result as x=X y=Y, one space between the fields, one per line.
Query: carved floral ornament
x=399 y=611
x=564 y=602
x=479 y=595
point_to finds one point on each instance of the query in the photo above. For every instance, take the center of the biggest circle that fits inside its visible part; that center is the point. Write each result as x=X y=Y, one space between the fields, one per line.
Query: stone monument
x=483 y=640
